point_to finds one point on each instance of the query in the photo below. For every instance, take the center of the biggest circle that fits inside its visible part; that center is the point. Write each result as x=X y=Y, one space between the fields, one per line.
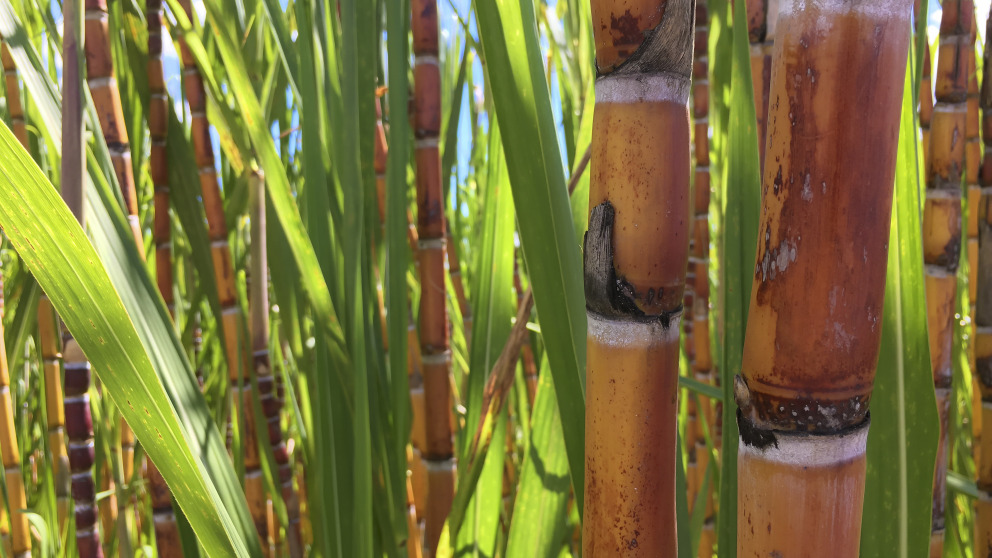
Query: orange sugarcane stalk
x=20 y=534
x=167 y=540
x=635 y=259
x=213 y=206
x=14 y=106
x=9 y=450
x=983 y=311
x=702 y=364
x=942 y=223
x=267 y=393
x=438 y=452
x=814 y=325
x=107 y=100
x=51 y=353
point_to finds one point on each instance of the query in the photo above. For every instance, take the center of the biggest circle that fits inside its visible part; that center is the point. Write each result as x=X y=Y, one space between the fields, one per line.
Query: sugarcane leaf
x=540 y=508
x=742 y=181
x=68 y=268
x=494 y=309
x=512 y=52
x=902 y=440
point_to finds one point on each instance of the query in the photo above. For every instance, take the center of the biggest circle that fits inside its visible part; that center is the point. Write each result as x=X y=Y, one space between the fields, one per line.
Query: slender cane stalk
x=14 y=106
x=9 y=450
x=167 y=540
x=20 y=534
x=78 y=419
x=213 y=206
x=814 y=329
x=942 y=223
x=983 y=311
x=259 y=298
x=434 y=339
x=702 y=364
x=636 y=253
x=106 y=98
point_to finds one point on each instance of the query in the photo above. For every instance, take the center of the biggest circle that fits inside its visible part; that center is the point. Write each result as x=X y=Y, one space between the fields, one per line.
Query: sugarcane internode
x=814 y=324
x=635 y=259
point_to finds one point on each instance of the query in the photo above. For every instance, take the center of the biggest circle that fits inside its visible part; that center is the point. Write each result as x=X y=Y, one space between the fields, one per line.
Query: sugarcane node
x=753 y=435
x=665 y=48
x=983 y=368
x=741 y=394
x=608 y=294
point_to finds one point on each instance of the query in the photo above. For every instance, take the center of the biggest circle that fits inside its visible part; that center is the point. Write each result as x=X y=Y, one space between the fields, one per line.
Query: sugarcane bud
x=741 y=394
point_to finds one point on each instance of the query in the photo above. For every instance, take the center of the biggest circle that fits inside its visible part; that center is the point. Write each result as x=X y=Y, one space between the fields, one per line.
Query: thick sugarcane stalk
x=166 y=530
x=77 y=417
x=635 y=259
x=20 y=534
x=213 y=206
x=438 y=452
x=814 y=325
x=106 y=98
x=259 y=298
x=702 y=364
x=942 y=223
x=762 y=16
x=983 y=311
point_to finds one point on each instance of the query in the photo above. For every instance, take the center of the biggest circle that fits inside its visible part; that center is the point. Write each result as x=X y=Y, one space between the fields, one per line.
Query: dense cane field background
x=292 y=90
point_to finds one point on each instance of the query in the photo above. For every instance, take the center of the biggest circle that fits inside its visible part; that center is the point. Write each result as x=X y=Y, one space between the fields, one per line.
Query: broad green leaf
x=512 y=52
x=902 y=440
x=69 y=270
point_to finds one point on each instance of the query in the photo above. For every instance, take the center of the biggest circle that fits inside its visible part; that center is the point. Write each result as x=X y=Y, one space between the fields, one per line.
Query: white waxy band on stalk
x=427 y=59
x=938 y=271
x=96 y=15
x=431 y=244
x=624 y=89
x=425 y=143
x=951 y=107
x=164 y=516
x=436 y=359
x=623 y=333
x=433 y=466
x=943 y=193
x=871 y=8
x=97 y=82
x=983 y=330
x=76 y=399
x=811 y=450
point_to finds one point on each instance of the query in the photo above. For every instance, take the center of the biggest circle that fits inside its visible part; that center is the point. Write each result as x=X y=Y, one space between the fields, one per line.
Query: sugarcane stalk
x=814 y=324
x=983 y=311
x=702 y=363
x=106 y=98
x=438 y=453
x=20 y=534
x=77 y=419
x=167 y=540
x=942 y=224
x=926 y=90
x=635 y=259
x=259 y=298
x=213 y=205
x=14 y=106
